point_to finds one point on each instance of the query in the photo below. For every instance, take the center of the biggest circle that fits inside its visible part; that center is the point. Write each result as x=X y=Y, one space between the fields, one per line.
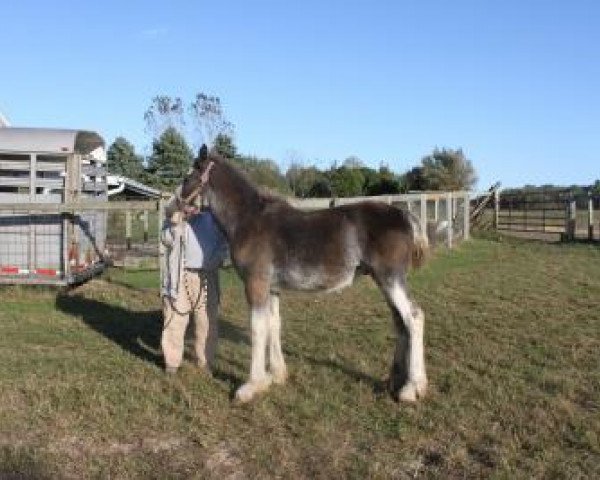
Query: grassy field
x=512 y=347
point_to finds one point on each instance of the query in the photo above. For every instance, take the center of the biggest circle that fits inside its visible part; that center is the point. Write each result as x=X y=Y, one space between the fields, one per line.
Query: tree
x=171 y=157
x=209 y=118
x=224 y=146
x=264 y=172
x=448 y=169
x=353 y=162
x=302 y=180
x=201 y=121
x=346 y=182
x=414 y=179
x=122 y=159
x=382 y=182
x=321 y=188
x=163 y=113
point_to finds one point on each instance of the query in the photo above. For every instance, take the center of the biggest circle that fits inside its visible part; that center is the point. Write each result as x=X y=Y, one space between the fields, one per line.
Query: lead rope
x=193 y=303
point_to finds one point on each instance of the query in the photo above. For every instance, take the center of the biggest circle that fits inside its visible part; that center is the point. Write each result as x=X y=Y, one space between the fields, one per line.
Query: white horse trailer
x=43 y=171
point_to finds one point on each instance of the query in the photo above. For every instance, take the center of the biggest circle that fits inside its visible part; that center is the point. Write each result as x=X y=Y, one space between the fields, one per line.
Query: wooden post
x=449 y=203
x=543 y=214
x=145 y=221
x=496 y=209
x=128 y=229
x=424 y=214
x=467 y=207
x=436 y=209
x=571 y=220
x=161 y=247
x=525 y=211
x=590 y=217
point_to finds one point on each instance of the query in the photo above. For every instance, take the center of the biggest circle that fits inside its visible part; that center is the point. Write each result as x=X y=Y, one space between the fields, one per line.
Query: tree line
x=171 y=124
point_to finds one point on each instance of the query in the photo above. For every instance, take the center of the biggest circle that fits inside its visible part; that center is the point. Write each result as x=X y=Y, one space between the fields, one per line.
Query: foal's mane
x=244 y=186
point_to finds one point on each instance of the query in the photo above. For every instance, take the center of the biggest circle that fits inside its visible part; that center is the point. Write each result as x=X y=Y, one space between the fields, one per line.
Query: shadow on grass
x=239 y=335
x=378 y=385
x=139 y=333
x=22 y=464
x=135 y=332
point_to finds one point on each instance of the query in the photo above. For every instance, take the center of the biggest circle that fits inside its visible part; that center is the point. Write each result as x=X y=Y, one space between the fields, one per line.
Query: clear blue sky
x=516 y=84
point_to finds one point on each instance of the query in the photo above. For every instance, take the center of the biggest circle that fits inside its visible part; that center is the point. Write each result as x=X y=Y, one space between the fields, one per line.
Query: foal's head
x=196 y=181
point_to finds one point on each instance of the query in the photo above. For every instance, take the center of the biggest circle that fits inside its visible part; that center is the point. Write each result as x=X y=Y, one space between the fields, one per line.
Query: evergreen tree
x=263 y=172
x=122 y=159
x=171 y=158
x=346 y=182
x=224 y=146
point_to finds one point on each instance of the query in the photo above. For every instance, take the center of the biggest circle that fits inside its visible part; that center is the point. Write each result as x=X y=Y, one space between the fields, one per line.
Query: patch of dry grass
x=512 y=349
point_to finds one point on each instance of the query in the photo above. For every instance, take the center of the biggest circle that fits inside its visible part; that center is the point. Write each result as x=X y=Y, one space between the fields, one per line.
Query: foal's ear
x=202 y=155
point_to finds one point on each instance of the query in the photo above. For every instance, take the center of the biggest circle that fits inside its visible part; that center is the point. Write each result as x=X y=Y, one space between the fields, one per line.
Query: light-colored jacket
x=197 y=243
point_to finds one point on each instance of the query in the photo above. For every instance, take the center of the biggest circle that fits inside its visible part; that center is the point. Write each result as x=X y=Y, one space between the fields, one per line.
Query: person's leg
x=197 y=293
x=173 y=332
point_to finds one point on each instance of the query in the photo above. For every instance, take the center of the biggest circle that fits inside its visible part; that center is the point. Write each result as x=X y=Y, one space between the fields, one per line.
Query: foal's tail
x=420 y=246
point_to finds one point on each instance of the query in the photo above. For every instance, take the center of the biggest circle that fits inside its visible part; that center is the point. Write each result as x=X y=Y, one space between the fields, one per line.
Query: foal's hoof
x=280 y=377
x=413 y=390
x=249 y=389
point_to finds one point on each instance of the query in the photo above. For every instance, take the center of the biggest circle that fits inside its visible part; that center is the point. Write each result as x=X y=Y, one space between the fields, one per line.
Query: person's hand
x=190 y=210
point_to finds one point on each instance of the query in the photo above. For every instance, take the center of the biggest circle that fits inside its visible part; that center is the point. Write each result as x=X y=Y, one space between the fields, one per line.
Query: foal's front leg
x=276 y=360
x=258 y=295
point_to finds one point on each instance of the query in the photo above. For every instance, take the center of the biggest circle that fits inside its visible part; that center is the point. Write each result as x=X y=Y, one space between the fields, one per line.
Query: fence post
x=590 y=217
x=449 y=214
x=128 y=229
x=496 y=209
x=571 y=220
x=145 y=220
x=424 y=214
x=436 y=209
x=161 y=248
x=467 y=207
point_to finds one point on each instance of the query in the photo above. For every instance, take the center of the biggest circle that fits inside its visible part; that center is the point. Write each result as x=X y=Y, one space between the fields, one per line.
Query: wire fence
x=64 y=243
x=443 y=215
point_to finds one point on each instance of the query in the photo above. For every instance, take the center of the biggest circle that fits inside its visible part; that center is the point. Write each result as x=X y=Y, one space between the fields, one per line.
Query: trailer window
x=52 y=158
x=13 y=157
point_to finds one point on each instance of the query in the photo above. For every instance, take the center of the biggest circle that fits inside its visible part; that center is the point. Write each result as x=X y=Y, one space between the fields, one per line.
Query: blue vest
x=206 y=246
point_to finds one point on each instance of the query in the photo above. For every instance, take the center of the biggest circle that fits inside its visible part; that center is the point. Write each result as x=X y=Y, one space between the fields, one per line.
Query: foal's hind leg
x=408 y=376
x=276 y=361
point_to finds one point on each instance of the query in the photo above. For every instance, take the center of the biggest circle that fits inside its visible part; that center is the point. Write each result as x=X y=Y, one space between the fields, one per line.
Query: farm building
x=42 y=172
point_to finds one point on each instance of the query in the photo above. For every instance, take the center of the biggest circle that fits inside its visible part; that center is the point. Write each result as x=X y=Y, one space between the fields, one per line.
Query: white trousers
x=198 y=296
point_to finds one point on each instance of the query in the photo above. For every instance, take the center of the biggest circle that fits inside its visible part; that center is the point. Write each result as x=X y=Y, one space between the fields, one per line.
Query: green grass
x=512 y=349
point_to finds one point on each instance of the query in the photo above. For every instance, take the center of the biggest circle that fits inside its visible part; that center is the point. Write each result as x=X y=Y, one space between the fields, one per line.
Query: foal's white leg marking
x=259 y=379
x=276 y=361
x=414 y=320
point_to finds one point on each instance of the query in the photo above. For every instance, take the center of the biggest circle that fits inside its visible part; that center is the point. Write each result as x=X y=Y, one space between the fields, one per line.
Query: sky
x=515 y=84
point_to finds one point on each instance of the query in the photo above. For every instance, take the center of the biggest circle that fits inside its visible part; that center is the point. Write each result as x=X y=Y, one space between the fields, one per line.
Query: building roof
x=49 y=140
x=126 y=184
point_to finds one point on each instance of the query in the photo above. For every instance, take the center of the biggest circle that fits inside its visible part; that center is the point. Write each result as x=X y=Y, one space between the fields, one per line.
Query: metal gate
x=558 y=212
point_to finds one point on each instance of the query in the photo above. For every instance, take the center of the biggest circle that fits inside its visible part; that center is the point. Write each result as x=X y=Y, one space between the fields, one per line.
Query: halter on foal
x=274 y=245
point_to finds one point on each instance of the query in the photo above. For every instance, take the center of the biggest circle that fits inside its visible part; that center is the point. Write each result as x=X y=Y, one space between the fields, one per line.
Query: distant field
x=512 y=347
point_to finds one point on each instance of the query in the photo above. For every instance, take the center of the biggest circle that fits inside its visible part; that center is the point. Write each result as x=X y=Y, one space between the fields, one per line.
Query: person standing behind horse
x=195 y=249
